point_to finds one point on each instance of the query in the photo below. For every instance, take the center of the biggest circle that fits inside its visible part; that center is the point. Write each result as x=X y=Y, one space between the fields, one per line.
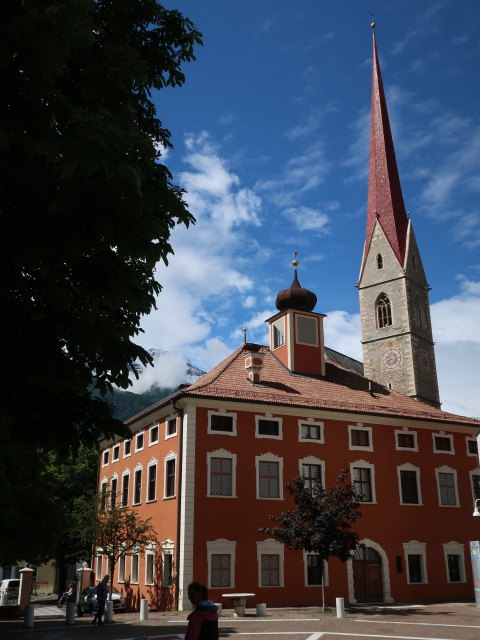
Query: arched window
x=384 y=311
x=418 y=311
x=379 y=261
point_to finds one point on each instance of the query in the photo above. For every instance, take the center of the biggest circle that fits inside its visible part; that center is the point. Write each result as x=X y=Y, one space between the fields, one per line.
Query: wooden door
x=367 y=575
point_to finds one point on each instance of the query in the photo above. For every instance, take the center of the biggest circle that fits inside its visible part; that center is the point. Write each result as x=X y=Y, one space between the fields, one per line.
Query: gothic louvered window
x=384 y=311
x=307 y=330
x=379 y=261
x=221 y=477
x=269 y=481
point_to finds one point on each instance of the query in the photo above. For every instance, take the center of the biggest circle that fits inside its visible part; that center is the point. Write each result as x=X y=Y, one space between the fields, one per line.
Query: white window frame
x=153 y=462
x=127 y=455
x=416 y=548
x=444 y=435
x=446 y=469
x=270 y=547
x=105 y=457
x=456 y=549
x=230 y=414
x=99 y=566
x=125 y=473
x=409 y=467
x=222 y=453
x=280 y=326
x=471 y=473
x=305 y=570
x=150 y=552
x=168 y=549
x=168 y=419
x=116 y=450
x=224 y=547
x=135 y=554
x=268 y=416
x=311 y=423
x=150 y=429
x=314 y=321
x=114 y=478
x=139 y=467
x=269 y=457
x=312 y=460
x=140 y=433
x=409 y=433
x=171 y=455
x=472 y=439
x=122 y=568
x=365 y=465
x=360 y=427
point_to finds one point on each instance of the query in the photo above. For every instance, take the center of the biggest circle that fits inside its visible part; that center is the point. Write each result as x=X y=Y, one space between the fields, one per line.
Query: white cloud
x=169 y=371
x=249 y=302
x=342 y=333
x=307 y=219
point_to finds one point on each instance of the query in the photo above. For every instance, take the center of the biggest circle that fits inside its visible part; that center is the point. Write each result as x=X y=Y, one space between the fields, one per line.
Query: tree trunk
x=111 y=566
x=323 y=586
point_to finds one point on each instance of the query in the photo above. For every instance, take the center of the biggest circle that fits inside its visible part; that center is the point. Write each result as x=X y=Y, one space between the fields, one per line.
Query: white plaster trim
x=356 y=447
x=270 y=546
x=272 y=419
x=229 y=414
x=473 y=472
x=305 y=571
x=269 y=457
x=187 y=509
x=313 y=460
x=365 y=465
x=310 y=422
x=414 y=547
x=221 y=546
x=448 y=437
x=406 y=432
x=290 y=340
x=409 y=467
x=222 y=453
x=446 y=469
x=455 y=548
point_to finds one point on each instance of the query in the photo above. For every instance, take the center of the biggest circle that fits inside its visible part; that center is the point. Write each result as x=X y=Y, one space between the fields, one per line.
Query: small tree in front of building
x=322 y=521
x=114 y=530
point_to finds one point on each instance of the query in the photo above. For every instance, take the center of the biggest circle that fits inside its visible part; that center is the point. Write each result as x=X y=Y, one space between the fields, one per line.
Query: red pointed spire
x=385 y=199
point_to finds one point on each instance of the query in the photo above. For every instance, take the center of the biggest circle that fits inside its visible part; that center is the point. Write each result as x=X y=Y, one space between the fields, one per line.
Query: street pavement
x=446 y=621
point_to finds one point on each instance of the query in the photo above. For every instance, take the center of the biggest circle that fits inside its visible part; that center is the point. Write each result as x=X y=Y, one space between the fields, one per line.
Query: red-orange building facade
x=209 y=463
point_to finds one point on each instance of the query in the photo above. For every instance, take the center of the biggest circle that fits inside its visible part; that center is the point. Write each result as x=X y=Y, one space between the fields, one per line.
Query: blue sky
x=271 y=135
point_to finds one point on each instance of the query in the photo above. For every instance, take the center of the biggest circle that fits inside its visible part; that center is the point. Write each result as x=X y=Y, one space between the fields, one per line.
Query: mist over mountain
x=154 y=383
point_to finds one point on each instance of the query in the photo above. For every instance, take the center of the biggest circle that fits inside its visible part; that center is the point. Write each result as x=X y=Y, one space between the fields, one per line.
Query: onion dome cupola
x=296 y=297
x=296 y=332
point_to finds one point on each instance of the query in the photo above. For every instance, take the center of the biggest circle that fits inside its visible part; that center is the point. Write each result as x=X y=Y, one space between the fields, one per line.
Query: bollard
x=29 y=612
x=340 y=606
x=143 y=609
x=261 y=609
x=219 y=608
x=109 y=611
x=70 y=616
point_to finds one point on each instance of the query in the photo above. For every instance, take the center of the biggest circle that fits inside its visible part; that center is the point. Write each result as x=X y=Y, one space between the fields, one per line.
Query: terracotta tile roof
x=341 y=389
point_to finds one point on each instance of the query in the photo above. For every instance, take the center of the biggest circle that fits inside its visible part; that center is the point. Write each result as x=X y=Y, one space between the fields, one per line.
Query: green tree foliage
x=111 y=529
x=86 y=211
x=322 y=520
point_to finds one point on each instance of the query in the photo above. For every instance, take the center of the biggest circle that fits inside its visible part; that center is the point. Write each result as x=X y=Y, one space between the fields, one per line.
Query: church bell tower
x=398 y=348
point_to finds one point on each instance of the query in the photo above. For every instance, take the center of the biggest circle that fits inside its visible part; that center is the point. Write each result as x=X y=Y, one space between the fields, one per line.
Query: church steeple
x=385 y=199
x=398 y=349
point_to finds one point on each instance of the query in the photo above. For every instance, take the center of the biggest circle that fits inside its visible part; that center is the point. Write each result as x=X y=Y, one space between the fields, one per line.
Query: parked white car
x=9 y=589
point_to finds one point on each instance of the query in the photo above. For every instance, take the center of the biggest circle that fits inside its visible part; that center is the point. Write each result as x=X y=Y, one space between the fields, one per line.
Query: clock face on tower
x=391 y=358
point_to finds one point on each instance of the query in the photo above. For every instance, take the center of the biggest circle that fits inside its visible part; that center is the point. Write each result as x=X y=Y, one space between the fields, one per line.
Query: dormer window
x=383 y=310
x=379 y=261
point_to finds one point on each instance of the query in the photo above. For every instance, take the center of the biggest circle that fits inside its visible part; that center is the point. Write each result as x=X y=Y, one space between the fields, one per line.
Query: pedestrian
x=102 y=595
x=203 y=621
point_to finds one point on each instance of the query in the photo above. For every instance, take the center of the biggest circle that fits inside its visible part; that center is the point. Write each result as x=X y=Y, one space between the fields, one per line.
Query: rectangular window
x=154 y=434
x=268 y=427
x=220 y=570
x=220 y=422
x=359 y=438
x=269 y=480
x=362 y=481
x=139 y=442
x=454 y=568
x=149 y=567
x=409 y=486
x=171 y=427
x=476 y=486
x=167 y=570
x=415 y=568
x=113 y=493
x=312 y=475
x=314 y=569
x=137 y=489
x=278 y=335
x=115 y=453
x=472 y=448
x=310 y=431
x=270 y=570
x=105 y=457
x=446 y=485
x=406 y=441
x=170 y=478
x=127 y=448
x=221 y=476
x=121 y=568
x=307 y=330
x=103 y=497
x=125 y=485
x=443 y=443
x=152 y=482
x=99 y=572
x=135 y=565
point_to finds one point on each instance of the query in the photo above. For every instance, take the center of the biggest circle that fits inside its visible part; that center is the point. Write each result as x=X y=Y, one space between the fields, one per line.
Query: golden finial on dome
x=295 y=261
x=372 y=24
x=244 y=335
